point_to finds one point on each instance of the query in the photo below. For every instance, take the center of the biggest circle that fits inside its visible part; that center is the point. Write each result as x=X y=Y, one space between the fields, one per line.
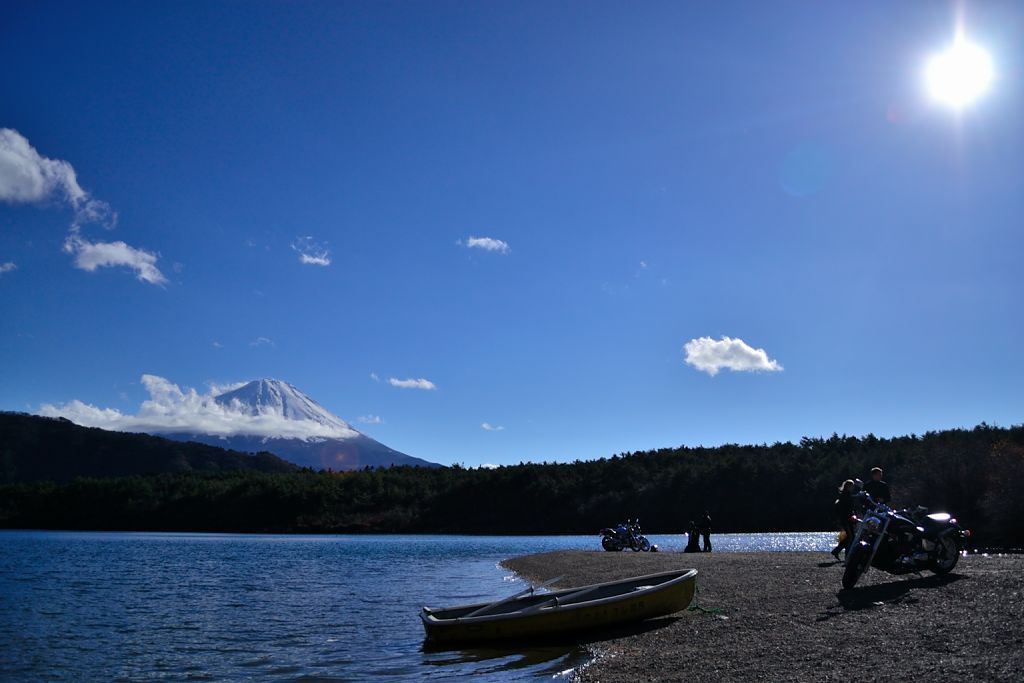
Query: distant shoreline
x=596 y=537
x=971 y=551
x=782 y=616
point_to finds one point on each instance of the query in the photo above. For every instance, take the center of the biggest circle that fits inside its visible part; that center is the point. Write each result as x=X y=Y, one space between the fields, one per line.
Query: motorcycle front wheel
x=645 y=545
x=946 y=555
x=856 y=563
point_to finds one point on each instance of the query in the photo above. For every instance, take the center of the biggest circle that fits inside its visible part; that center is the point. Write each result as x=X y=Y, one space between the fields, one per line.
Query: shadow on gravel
x=867 y=597
x=892 y=593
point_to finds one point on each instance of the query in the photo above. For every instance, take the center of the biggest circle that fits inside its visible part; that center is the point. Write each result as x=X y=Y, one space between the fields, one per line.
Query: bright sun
x=960 y=75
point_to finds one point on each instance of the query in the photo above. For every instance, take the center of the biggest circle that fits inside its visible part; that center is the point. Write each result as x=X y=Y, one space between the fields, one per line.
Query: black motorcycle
x=902 y=541
x=626 y=535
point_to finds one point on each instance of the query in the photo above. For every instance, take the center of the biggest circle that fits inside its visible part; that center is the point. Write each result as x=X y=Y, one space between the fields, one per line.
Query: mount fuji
x=277 y=417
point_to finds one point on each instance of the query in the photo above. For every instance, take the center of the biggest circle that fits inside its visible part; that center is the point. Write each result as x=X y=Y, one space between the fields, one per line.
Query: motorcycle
x=902 y=541
x=625 y=535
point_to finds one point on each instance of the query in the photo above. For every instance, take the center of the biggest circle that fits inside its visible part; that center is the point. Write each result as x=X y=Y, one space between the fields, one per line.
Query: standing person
x=877 y=488
x=704 y=526
x=693 y=539
x=844 y=510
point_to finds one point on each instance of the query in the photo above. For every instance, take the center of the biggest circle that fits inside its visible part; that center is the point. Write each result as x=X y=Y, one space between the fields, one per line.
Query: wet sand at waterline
x=784 y=616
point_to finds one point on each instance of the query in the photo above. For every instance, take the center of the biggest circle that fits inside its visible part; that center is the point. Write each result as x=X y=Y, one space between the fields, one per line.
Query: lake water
x=143 y=606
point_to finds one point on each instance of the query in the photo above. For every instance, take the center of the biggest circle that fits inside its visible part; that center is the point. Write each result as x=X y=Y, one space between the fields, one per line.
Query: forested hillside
x=976 y=474
x=34 y=448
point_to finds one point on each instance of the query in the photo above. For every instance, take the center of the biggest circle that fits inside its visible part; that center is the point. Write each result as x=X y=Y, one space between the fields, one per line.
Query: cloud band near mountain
x=171 y=410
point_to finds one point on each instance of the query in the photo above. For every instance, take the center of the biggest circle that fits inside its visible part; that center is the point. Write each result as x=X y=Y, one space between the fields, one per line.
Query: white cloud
x=488 y=466
x=171 y=410
x=488 y=244
x=311 y=253
x=92 y=255
x=27 y=177
x=216 y=344
x=314 y=260
x=492 y=428
x=371 y=419
x=643 y=265
x=95 y=211
x=412 y=384
x=374 y=377
x=8 y=267
x=262 y=341
x=216 y=388
x=710 y=356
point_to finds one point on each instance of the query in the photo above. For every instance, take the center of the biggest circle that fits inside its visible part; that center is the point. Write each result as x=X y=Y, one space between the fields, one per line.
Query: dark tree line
x=34 y=448
x=976 y=474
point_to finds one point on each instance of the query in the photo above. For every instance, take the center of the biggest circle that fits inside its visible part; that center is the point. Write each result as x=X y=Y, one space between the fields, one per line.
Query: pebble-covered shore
x=783 y=616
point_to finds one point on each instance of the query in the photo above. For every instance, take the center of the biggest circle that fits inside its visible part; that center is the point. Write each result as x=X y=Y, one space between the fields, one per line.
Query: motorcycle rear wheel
x=856 y=563
x=610 y=545
x=947 y=555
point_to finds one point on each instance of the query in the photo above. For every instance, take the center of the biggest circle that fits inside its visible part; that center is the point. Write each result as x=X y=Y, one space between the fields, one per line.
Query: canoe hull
x=658 y=601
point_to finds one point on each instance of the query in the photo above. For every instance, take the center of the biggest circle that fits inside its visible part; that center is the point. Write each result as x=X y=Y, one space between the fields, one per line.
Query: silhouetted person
x=704 y=526
x=877 y=488
x=693 y=540
x=843 y=508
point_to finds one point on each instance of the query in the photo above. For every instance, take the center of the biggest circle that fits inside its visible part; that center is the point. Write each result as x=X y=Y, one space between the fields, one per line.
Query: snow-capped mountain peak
x=327 y=441
x=274 y=397
x=262 y=415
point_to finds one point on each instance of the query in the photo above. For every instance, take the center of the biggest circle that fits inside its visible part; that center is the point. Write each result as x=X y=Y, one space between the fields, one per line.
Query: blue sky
x=649 y=175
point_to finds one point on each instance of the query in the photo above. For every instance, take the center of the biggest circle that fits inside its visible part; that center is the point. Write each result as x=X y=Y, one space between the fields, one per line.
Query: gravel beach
x=783 y=616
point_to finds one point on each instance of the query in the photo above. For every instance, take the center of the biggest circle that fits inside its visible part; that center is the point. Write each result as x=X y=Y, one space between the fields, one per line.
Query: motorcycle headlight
x=872 y=524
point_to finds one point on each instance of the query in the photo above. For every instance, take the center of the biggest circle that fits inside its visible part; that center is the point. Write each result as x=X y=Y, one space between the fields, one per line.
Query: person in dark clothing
x=693 y=541
x=876 y=488
x=704 y=526
x=843 y=510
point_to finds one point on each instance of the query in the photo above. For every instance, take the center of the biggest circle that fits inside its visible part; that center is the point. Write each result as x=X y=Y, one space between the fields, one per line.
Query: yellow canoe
x=570 y=610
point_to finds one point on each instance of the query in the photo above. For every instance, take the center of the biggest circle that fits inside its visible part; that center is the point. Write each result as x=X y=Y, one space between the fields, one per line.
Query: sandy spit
x=783 y=616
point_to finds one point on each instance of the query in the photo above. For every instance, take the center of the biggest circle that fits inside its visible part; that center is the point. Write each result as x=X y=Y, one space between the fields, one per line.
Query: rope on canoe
x=695 y=607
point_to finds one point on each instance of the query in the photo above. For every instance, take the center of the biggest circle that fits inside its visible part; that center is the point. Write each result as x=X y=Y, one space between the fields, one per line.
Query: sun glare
x=960 y=75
